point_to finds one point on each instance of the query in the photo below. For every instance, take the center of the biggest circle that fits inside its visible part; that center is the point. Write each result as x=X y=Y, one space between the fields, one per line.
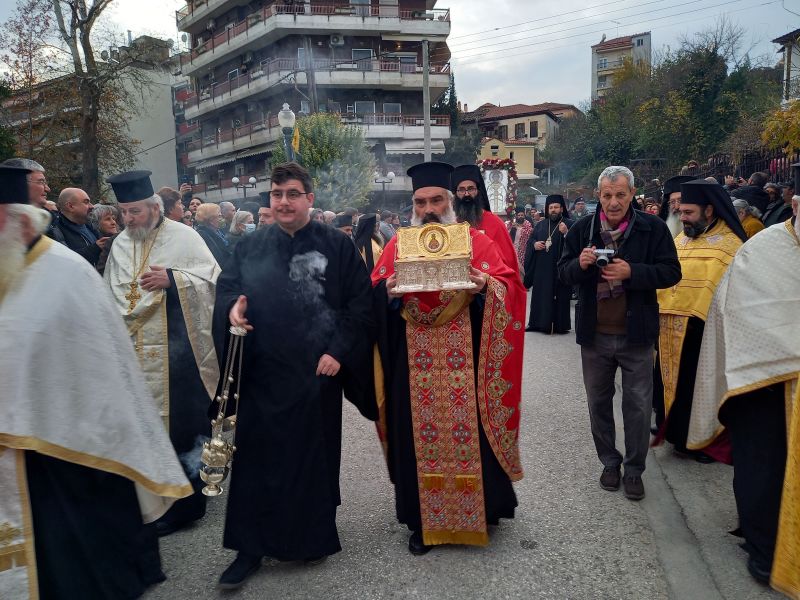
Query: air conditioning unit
x=211 y=24
x=337 y=39
x=248 y=58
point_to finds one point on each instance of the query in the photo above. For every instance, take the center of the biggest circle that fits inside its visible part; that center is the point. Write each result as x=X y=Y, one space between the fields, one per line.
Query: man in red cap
x=449 y=396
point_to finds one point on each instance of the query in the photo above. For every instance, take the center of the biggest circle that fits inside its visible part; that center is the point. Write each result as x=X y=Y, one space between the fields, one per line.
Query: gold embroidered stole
x=17 y=553
x=786 y=563
x=445 y=426
x=672 y=332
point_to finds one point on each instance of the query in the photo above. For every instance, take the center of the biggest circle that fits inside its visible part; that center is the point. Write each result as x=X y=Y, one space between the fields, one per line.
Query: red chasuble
x=446 y=406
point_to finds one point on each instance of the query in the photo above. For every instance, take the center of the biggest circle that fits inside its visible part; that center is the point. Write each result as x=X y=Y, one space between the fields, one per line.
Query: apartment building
x=608 y=56
x=360 y=59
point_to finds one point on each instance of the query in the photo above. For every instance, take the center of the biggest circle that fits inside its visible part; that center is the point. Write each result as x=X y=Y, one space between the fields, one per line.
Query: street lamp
x=383 y=181
x=286 y=120
x=251 y=183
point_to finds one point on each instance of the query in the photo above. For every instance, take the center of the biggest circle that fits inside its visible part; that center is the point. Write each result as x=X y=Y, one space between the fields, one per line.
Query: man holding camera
x=618 y=259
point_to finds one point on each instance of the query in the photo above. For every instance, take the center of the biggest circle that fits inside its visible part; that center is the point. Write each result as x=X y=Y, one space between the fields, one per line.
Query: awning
x=213 y=162
x=413 y=147
x=256 y=150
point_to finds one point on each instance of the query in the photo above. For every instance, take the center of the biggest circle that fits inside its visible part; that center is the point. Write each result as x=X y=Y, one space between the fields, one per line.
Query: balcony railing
x=185 y=128
x=609 y=64
x=275 y=65
x=269 y=12
x=247 y=131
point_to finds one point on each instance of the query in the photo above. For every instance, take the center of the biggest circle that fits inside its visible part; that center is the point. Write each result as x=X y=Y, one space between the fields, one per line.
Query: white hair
x=611 y=173
x=239 y=217
x=155 y=200
x=39 y=217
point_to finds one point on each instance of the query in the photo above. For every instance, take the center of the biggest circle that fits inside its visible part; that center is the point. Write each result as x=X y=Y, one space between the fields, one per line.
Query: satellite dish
x=104 y=55
x=184 y=38
x=170 y=42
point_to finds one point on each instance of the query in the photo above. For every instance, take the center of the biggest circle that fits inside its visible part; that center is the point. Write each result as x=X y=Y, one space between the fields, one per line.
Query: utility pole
x=426 y=100
x=311 y=80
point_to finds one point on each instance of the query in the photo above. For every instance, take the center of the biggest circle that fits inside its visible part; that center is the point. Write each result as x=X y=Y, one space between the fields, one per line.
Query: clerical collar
x=296 y=231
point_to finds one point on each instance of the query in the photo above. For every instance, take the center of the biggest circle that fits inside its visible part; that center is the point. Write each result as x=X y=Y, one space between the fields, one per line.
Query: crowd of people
x=671 y=293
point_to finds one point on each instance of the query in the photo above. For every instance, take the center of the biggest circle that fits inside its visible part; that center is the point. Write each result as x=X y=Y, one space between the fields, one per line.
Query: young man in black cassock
x=549 y=298
x=303 y=293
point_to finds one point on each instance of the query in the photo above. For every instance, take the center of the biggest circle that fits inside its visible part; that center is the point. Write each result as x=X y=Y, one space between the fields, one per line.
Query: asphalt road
x=570 y=538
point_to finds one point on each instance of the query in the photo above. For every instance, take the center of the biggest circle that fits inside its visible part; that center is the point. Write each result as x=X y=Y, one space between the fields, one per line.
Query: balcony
x=187 y=128
x=197 y=12
x=791 y=91
x=271 y=23
x=241 y=140
x=265 y=77
x=609 y=65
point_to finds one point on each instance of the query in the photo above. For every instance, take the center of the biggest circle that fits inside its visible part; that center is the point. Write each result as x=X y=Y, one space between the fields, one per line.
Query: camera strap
x=625 y=235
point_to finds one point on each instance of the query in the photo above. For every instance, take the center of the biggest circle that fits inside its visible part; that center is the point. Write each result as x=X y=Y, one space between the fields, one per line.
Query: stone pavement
x=570 y=539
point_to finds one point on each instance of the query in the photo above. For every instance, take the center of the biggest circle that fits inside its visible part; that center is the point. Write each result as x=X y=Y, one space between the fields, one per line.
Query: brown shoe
x=634 y=488
x=609 y=480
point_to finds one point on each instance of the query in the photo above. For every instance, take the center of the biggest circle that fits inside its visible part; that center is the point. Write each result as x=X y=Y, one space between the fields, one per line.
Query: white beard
x=139 y=234
x=674 y=223
x=448 y=218
x=12 y=253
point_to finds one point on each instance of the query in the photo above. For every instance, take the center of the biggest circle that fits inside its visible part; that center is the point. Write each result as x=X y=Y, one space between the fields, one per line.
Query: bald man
x=71 y=225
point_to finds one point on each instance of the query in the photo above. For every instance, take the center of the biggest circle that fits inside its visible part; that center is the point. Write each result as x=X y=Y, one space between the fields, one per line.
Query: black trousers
x=757 y=425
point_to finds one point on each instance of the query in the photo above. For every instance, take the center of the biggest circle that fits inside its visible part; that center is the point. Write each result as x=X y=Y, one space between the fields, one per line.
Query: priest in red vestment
x=449 y=386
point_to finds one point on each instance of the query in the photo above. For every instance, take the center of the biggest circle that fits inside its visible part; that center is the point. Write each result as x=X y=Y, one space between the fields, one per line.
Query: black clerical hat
x=430 y=174
x=470 y=173
x=703 y=193
x=13 y=185
x=132 y=186
x=673 y=184
x=796 y=178
x=264 y=200
x=553 y=199
x=343 y=221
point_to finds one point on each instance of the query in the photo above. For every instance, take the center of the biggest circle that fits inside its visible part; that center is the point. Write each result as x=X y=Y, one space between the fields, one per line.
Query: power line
x=459 y=58
x=603 y=5
x=571 y=21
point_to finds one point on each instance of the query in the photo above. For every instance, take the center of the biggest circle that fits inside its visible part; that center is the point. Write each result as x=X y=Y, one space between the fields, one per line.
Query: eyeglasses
x=42 y=182
x=470 y=190
x=291 y=195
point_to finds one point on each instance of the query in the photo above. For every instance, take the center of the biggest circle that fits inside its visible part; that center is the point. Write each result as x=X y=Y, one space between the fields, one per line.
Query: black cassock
x=307 y=295
x=549 y=297
x=499 y=498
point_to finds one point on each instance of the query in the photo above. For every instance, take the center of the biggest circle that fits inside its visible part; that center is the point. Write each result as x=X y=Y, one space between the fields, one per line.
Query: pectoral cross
x=133 y=296
x=547 y=245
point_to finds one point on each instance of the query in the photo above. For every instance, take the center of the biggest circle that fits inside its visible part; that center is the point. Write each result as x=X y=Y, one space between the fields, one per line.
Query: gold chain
x=133 y=296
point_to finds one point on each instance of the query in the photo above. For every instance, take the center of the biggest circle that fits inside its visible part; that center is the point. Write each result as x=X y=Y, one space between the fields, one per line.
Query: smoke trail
x=191 y=458
x=307 y=272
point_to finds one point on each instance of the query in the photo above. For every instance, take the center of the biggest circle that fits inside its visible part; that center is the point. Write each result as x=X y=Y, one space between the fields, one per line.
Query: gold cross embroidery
x=133 y=296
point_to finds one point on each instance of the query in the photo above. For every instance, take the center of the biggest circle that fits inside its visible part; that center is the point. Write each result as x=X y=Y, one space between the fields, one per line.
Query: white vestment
x=71 y=388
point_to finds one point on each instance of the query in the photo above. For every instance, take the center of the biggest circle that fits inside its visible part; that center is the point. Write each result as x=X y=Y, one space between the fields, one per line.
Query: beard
x=447 y=218
x=12 y=253
x=555 y=217
x=469 y=211
x=695 y=230
x=138 y=233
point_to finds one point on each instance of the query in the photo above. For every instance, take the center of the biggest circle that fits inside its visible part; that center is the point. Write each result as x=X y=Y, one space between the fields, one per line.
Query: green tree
x=338 y=158
x=464 y=144
x=7 y=143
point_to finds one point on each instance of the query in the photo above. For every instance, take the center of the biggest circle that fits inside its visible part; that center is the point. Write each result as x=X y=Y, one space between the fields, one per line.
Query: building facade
x=609 y=56
x=360 y=59
x=790 y=47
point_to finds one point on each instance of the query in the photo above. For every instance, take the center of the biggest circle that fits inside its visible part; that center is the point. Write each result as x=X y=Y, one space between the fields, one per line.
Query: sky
x=532 y=51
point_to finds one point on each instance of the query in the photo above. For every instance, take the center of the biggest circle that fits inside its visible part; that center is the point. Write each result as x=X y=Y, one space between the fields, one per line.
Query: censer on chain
x=217 y=455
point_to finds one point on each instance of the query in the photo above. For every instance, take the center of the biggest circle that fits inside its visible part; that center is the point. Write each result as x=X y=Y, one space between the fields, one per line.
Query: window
x=233 y=74
x=334 y=107
x=534 y=129
x=502 y=132
x=364 y=107
x=602 y=82
x=238 y=170
x=640 y=42
x=301 y=58
x=391 y=108
x=495 y=150
x=519 y=131
x=360 y=7
x=602 y=63
x=363 y=59
x=408 y=64
x=304 y=107
x=511 y=155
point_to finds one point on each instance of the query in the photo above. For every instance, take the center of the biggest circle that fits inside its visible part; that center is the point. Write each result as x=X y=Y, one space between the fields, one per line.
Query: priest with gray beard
x=84 y=461
x=163 y=280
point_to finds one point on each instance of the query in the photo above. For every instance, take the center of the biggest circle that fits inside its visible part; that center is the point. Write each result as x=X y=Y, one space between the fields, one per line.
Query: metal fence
x=776 y=164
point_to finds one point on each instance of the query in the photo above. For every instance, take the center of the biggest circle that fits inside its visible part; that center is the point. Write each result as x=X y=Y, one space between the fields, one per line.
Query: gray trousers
x=600 y=363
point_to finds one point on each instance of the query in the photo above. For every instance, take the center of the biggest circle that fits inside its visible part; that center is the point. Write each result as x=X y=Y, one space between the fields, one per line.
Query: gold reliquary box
x=433 y=258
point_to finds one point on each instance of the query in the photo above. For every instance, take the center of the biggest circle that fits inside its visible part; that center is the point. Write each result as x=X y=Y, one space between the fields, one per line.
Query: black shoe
x=703 y=458
x=759 y=573
x=415 y=545
x=239 y=570
x=529 y=329
x=634 y=488
x=164 y=528
x=609 y=480
x=313 y=562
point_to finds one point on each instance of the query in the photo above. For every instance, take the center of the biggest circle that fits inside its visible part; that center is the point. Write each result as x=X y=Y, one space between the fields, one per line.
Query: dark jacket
x=216 y=243
x=650 y=251
x=777 y=212
x=755 y=195
x=65 y=231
